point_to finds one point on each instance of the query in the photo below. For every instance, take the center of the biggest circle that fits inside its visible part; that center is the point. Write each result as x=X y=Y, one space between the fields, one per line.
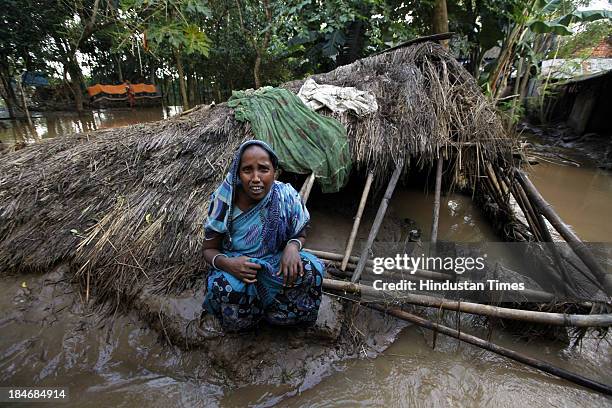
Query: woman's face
x=256 y=172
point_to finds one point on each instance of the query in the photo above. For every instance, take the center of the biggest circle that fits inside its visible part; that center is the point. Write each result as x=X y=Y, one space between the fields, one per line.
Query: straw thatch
x=125 y=206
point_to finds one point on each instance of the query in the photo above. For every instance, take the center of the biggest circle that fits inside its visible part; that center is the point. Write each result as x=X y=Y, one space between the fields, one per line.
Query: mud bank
x=561 y=142
x=53 y=334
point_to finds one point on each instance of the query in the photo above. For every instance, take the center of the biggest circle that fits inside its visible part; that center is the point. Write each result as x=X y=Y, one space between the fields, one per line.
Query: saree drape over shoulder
x=261 y=233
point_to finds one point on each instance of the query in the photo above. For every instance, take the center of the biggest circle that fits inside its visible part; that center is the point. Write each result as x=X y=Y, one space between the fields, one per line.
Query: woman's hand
x=291 y=265
x=242 y=268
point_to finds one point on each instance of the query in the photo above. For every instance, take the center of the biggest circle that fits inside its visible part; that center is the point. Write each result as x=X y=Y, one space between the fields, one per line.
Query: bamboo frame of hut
x=357 y=222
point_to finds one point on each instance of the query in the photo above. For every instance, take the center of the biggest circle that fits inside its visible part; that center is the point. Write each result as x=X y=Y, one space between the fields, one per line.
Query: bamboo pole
x=377 y=221
x=436 y=208
x=493 y=178
x=561 y=276
x=335 y=258
x=555 y=319
x=503 y=185
x=605 y=279
x=396 y=273
x=536 y=220
x=306 y=187
x=334 y=270
x=351 y=241
x=487 y=345
x=528 y=216
x=331 y=256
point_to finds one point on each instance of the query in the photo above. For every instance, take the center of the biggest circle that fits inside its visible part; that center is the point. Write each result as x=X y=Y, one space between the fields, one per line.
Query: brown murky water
x=56 y=124
x=124 y=365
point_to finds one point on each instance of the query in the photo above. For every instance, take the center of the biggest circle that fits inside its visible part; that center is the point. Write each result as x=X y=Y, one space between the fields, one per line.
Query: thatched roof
x=125 y=206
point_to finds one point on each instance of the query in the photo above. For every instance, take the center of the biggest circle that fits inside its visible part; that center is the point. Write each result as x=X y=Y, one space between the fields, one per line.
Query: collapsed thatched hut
x=124 y=207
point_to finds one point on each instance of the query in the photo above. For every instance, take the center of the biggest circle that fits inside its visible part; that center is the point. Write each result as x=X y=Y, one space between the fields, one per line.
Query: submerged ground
x=49 y=338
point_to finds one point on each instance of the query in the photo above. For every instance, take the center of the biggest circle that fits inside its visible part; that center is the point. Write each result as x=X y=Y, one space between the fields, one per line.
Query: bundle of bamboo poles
x=500 y=187
x=537 y=211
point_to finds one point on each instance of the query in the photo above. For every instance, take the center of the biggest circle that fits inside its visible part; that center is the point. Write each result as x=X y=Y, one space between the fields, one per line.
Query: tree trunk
x=119 y=70
x=76 y=80
x=176 y=97
x=24 y=102
x=8 y=93
x=524 y=82
x=440 y=20
x=516 y=102
x=257 y=69
x=181 y=75
x=191 y=87
x=9 y=101
x=152 y=79
x=476 y=59
x=198 y=90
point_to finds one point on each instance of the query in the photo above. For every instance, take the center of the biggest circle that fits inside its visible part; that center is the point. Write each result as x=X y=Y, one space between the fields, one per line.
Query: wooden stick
x=503 y=185
x=398 y=274
x=487 y=345
x=541 y=296
x=555 y=319
x=436 y=207
x=561 y=276
x=351 y=241
x=531 y=211
x=377 y=221
x=494 y=180
x=331 y=256
x=572 y=239
x=306 y=187
x=532 y=226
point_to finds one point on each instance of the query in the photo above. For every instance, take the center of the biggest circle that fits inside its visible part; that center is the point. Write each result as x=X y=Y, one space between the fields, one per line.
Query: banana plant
x=538 y=17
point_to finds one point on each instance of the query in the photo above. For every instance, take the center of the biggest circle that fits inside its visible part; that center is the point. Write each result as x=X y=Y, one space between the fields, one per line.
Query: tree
x=23 y=30
x=320 y=36
x=173 y=25
x=82 y=19
x=440 y=19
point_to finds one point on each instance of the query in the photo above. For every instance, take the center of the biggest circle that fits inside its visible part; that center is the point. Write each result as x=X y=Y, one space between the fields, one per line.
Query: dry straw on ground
x=125 y=206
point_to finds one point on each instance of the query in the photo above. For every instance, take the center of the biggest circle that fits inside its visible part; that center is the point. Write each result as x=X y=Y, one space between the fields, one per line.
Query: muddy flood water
x=48 y=343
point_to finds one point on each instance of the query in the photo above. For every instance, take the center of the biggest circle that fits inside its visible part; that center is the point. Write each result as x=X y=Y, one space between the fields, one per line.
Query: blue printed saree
x=261 y=233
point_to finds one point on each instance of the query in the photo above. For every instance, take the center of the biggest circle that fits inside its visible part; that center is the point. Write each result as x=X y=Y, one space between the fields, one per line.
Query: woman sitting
x=253 y=240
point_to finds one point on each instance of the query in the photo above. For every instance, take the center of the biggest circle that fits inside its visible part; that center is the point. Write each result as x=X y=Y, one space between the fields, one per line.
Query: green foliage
x=542 y=27
x=219 y=41
x=25 y=26
x=317 y=36
x=565 y=13
x=173 y=23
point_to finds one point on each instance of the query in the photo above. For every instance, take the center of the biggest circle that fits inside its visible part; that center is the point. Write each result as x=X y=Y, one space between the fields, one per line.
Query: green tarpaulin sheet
x=304 y=140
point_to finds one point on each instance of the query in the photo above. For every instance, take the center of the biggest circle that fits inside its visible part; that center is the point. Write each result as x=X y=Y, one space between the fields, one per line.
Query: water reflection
x=54 y=124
